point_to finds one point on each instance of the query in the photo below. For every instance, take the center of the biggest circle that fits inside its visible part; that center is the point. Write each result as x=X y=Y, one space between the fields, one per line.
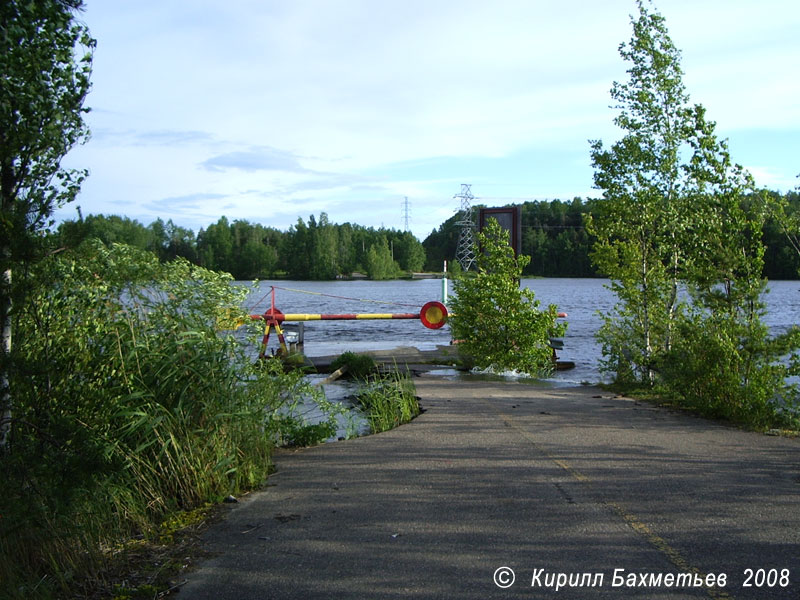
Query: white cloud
x=255 y=159
x=773 y=179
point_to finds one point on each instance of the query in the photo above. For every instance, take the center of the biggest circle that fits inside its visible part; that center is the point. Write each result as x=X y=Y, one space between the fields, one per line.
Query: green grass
x=388 y=401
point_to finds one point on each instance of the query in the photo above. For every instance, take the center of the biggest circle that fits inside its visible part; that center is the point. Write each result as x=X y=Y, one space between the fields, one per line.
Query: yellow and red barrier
x=433 y=315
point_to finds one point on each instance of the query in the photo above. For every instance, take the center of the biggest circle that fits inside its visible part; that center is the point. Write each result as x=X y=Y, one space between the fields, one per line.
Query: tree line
x=553 y=236
x=314 y=249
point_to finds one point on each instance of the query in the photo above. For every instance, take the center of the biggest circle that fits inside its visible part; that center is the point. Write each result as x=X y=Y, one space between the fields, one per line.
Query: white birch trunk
x=5 y=388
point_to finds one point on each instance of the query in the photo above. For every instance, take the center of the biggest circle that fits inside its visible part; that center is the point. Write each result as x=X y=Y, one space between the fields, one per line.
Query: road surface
x=511 y=490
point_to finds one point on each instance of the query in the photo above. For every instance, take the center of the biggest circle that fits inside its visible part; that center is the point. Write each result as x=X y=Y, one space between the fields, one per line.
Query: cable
x=277 y=287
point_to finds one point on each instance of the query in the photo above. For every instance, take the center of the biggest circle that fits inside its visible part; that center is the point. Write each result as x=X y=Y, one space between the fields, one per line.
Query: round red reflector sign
x=433 y=315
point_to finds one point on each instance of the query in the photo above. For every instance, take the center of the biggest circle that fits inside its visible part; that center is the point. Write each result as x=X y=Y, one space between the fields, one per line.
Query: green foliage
x=498 y=323
x=323 y=259
x=408 y=252
x=441 y=245
x=358 y=365
x=45 y=65
x=680 y=235
x=130 y=404
x=723 y=367
x=215 y=246
x=315 y=250
x=554 y=236
x=640 y=242
x=109 y=230
x=388 y=401
x=168 y=241
x=321 y=250
x=296 y=432
x=379 y=263
x=45 y=59
x=782 y=235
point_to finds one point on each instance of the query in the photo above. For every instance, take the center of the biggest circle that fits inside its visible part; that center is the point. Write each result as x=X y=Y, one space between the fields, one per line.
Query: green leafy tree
x=498 y=323
x=134 y=400
x=324 y=250
x=45 y=65
x=639 y=228
x=553 y=235
x=111 y=229
x=379 y=260
x=215 y=246
x=441 y=245
x=679 y=214
x=346 y=249
x=724 y=361
x=295 y=251
x=255 y=260
x=252 y=256
x=409 y=252
x=159 y=238
x=782 y=235
x=180 y=242
x=725 y=253
x=784 y=227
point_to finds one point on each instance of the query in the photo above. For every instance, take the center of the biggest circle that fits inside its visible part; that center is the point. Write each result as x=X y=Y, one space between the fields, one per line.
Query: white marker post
x=444 y=284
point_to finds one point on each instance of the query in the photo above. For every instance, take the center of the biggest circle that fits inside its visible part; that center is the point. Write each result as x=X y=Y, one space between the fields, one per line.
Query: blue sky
x=270 y=110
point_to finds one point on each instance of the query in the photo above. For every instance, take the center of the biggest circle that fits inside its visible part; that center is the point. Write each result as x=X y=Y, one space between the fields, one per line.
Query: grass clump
x=388 y=401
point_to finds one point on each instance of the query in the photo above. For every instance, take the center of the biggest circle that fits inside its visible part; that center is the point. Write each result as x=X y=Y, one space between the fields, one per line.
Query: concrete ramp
x=509 y=490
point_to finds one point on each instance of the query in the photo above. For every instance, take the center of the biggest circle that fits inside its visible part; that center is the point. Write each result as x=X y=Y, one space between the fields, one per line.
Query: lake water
x=581 y=299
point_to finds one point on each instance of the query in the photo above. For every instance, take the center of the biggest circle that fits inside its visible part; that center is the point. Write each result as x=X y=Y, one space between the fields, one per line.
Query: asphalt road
x=579 y=493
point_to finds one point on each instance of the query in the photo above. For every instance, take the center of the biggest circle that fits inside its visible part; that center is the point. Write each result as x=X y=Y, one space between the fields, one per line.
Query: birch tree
x=679 y=215
x=639 y=226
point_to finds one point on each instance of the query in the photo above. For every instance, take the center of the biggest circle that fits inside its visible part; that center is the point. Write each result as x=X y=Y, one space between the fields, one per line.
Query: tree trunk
x=5 y=344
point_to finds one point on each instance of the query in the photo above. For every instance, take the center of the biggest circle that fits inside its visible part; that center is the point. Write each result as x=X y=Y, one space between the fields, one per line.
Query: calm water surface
x=581 y=299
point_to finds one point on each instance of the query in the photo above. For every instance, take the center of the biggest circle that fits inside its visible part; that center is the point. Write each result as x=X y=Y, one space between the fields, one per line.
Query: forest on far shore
x=553 y=236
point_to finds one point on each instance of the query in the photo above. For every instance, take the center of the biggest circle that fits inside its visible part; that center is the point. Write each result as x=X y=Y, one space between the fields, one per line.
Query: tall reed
x=129 y=403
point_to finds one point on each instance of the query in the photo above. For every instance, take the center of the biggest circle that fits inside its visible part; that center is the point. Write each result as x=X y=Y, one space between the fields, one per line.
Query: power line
x=507 y=198
x=554 y=227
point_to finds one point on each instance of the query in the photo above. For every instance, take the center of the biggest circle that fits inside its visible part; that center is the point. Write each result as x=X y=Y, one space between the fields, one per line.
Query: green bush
x=358 y=365
x=499 y=325
x=724 y=367
x=296 y=432
x=129 y=403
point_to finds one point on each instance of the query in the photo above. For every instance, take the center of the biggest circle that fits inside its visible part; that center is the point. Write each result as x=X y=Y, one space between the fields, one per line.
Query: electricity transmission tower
x=465 y=252
x=405 y=213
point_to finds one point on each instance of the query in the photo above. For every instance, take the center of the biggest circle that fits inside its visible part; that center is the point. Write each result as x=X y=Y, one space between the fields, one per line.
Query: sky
x=374 y=110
